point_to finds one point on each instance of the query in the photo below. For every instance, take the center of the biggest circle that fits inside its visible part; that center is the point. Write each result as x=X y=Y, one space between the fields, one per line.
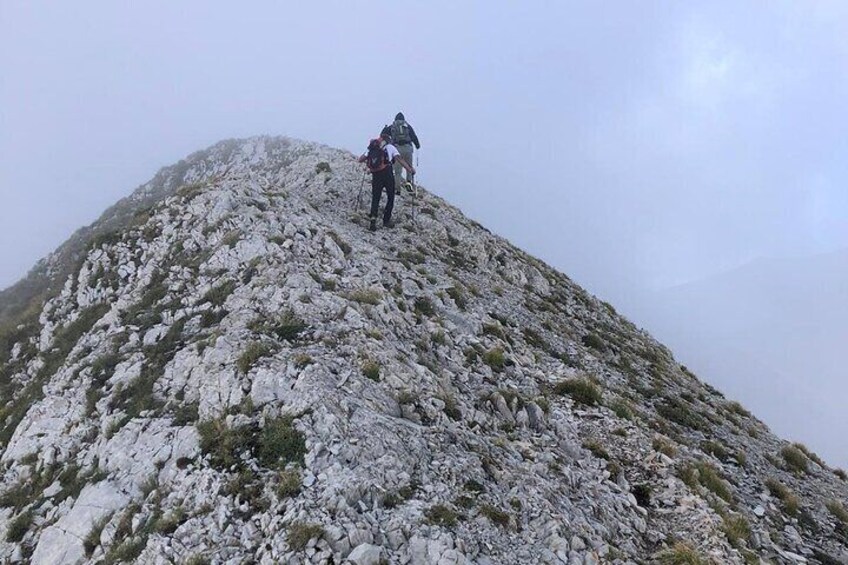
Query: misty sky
x=632 y=145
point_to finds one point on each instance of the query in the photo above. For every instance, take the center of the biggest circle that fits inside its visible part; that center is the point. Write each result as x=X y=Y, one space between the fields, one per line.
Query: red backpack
x=378 y=158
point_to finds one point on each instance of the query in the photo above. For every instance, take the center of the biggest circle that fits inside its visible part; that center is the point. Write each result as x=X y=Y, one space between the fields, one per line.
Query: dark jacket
x=413 y=137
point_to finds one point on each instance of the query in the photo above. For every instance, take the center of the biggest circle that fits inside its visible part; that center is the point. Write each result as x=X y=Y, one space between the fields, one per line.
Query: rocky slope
x=233 y=370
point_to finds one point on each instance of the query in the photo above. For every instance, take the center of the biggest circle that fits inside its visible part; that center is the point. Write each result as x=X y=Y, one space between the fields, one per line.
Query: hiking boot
x=373 y=225
x=388 y=224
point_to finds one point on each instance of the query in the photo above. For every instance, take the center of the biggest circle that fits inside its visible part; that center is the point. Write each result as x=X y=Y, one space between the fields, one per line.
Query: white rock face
x=62 y=542
x=365 y=554
x=241 y=371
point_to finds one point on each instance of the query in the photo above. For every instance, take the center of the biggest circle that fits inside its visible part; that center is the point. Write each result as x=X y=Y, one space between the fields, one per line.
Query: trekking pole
x=415 y=186
x=358 y=203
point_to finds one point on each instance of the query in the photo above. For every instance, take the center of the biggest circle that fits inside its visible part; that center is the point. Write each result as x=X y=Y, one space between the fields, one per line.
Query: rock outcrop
x=238 y=371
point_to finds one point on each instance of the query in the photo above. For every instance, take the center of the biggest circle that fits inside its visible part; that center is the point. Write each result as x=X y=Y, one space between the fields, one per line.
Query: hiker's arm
x=362 y=158
x=414 y=137
x=406 y=165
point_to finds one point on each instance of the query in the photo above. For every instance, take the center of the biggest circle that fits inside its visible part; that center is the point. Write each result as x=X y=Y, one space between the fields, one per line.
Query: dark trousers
x=379 y=181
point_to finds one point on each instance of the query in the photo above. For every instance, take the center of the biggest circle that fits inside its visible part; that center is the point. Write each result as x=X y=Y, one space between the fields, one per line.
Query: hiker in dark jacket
x=403 y=137
x=380 y=157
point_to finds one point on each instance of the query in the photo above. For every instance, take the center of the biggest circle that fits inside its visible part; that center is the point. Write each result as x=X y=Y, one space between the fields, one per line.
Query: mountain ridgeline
x=227 y=367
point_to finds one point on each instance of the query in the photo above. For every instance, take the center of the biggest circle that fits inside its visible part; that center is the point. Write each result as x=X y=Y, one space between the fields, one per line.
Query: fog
x=634 y=146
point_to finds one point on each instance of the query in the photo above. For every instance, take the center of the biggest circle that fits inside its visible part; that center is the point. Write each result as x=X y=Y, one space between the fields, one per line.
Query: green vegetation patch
x=838 y=510
x=682 y=413
x=441 y=515
x=281 y=443
x=216 y=296
x=495 y=359
x=371 y=370
x=290 y=483
x=254 y=351
x=286 y=326
x=681 y=554
x=790 y=502
x=737 y=529
x=300 y=533
x=365 y=296
x=594 y=342
x=495 y=515
x=795 y=459
x=19 y=527
x=581 y=389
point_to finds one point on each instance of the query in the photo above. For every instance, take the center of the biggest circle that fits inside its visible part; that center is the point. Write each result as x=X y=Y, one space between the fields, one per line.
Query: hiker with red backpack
x=380 y=157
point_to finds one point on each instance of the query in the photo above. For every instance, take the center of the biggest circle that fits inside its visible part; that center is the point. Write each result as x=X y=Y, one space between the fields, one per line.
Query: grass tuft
x=582 y=390
x=301 y=533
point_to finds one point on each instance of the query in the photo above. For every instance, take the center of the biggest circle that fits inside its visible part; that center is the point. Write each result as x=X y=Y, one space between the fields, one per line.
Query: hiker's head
x=385 y=137
x=399 y=117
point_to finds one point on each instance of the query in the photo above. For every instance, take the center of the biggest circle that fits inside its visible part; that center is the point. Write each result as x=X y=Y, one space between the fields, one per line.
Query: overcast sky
x=633 y=145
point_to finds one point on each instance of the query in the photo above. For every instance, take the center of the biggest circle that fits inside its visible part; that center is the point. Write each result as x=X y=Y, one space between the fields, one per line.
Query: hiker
x=403 y=136
x=379 y=158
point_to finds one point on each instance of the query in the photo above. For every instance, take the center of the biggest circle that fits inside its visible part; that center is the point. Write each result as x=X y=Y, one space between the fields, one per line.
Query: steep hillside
x=241 y=372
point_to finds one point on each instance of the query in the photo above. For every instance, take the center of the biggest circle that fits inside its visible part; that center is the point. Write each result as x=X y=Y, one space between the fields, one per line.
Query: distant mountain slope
x=241 y=372
x=774 y=333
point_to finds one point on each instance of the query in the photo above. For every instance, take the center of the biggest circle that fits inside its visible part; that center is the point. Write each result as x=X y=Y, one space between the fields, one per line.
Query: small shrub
x=841 y=474
x=300 y=533
x=254 y=352
x=711 y=479
x=678 y=411
x=458 y=297
x=642 y=494
x=595 y=342
x=365 y=296
x=680 y=554
x=281 y=443
x=497 y=516
x=439 y=338
x=224 y=445
x=495 y=359
x=287 y=326
x=186 y=414
x=19 y=527
x=290 y=483
x=835 y=507
x=371 y=370
x=451 y=409
x=230 y=240
x=169 y=523
x=322 y=167
x=581 y=390
x=715 y=449
x=597 y=449
x=406 y=397
x=810 y=455
x=794 y=458
x=441 y=515
x=216 y=296
x=92 y=540
x=302 y=360
x=736 y=528
x=782 y=492
x=424 y=306
x=622 y=409
x=737 y=408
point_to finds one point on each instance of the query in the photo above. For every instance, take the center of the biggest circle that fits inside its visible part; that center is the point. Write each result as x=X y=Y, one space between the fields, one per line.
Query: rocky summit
x=228 y=367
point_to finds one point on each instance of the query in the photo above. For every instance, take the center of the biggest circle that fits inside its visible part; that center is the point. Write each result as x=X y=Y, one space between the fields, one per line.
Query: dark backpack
x=378 y=158
x=400 y=133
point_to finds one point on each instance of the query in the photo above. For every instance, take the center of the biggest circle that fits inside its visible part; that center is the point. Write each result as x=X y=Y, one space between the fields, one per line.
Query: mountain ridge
x=242 y=371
